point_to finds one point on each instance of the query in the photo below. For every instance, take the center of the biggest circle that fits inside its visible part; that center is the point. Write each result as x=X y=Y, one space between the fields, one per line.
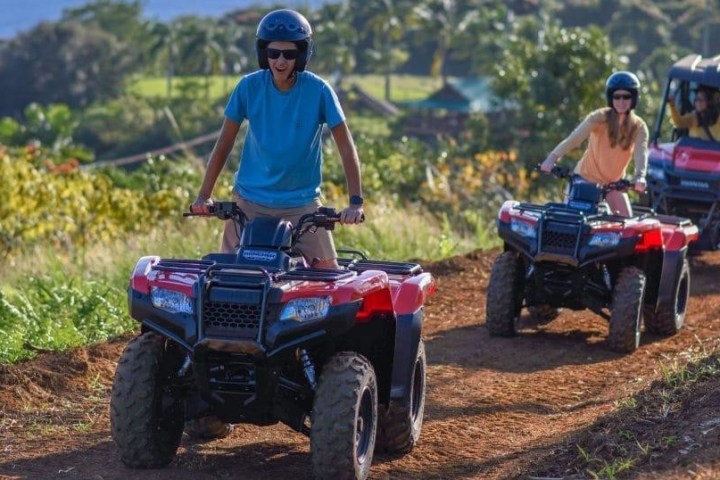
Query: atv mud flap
x=407 y=339
x=669 y=278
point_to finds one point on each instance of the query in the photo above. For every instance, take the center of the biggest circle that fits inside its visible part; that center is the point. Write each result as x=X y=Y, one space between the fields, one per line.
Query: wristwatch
x=356 y=200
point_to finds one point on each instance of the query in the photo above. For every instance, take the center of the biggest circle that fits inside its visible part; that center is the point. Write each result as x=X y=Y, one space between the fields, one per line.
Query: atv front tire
x=504 y=295
x=400 y=424
x=627 y=302
x=344 y=418
x=146 y=422
x=668 y=319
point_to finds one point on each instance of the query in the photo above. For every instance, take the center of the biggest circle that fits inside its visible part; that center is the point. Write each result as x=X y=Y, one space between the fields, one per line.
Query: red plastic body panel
x=411 y=293
x=662 y=151
x=509 y=211
x=373 y=286
x=686 y=157
x=676 y=238
x=139 y=280
x=695 y=159
x=144 y=277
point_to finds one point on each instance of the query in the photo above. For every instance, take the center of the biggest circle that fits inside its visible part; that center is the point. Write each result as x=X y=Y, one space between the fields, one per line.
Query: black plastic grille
x=236 y=319
x=559 y=238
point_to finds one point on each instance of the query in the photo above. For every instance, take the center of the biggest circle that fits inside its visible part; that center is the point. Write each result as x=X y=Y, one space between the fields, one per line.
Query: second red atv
x=578 y=255
x=259 y=337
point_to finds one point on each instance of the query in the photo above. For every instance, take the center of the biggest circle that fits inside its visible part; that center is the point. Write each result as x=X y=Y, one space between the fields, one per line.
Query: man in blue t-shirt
x=281 y=164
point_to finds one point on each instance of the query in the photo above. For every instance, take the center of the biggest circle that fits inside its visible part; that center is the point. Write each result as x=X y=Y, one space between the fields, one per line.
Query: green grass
x=403 y=87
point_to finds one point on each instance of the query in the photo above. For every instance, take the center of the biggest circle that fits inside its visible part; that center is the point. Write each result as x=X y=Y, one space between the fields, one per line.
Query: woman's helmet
x=622 y=81
x=284 y=26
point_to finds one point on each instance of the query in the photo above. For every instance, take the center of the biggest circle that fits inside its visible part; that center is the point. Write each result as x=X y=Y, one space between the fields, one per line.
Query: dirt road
x=497 y=408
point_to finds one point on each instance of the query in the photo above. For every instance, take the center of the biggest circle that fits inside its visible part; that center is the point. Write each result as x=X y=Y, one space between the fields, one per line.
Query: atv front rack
x=392 y=268
x=359 y=265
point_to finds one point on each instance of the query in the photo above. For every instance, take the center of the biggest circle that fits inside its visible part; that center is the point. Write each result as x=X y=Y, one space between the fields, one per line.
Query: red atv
x=578 y=255
x=259 y=337
x=684 y=172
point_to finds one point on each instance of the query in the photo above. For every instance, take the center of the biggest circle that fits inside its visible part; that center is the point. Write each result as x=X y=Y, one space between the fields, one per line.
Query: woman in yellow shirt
x=615 y=136
x=704 y=121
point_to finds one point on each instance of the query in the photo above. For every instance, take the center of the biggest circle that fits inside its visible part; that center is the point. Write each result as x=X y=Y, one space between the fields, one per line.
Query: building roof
x=460 y=94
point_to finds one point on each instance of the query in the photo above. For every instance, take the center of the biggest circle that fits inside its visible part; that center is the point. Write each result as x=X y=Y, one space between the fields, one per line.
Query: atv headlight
x=523 y=229
x=656 y=172
x=303 y=309
x=170 y=301
x=604 y=240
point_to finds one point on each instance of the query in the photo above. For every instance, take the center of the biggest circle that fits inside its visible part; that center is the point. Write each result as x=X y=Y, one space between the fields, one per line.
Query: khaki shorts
x=318 y=246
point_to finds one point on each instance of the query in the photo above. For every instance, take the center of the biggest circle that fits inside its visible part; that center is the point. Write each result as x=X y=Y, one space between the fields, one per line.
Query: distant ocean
x=20 y=15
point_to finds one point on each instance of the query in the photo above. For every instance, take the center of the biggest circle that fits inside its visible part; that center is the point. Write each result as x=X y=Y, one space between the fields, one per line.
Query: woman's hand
x=640 y=185
x=548 y=164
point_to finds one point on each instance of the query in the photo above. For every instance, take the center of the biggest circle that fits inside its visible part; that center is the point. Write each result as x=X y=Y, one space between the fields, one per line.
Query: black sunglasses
x=274 y=53
x=620 y=96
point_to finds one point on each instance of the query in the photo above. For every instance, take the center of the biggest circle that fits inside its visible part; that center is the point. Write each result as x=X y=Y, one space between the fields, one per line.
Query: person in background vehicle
x=615 y=136
x=280 y=168
x=704 y=121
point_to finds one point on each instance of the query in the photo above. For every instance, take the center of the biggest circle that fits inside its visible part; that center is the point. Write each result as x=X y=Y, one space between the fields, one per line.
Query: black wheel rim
x=682 y=298
x=364 y=426
x=417 y=390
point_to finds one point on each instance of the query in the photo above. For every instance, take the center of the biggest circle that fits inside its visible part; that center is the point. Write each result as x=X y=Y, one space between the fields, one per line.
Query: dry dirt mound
x=497 y=408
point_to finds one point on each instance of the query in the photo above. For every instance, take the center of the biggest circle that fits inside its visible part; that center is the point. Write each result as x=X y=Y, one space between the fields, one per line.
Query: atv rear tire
x=504 y=295
x=668 y=319
x=145 y=421
x=400 y=425
x=344 y=418
x=627 y=302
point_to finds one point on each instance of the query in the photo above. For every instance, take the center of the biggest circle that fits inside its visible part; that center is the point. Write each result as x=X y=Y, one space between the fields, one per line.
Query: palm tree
x=202 y=40
x=165 y=42
x=235 y=59
x=385 y=22
x=453 y=23
x=337 y=38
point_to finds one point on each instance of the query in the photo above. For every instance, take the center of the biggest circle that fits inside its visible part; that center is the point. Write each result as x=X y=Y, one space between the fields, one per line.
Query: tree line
x=88 y=55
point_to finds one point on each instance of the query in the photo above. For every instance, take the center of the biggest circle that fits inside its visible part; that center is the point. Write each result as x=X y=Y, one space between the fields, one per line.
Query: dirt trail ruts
x=495 y=408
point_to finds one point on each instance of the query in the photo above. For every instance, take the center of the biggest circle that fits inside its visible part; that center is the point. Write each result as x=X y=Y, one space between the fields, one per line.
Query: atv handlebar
x=564 y=173
x=221 y=210
x=325 y=217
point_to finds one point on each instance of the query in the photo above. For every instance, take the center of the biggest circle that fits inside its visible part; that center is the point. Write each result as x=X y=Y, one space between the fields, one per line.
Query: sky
x=20 y=15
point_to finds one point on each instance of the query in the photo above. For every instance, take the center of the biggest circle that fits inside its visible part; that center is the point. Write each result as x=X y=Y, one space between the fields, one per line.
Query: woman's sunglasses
x=274 y=53
x=622 y=96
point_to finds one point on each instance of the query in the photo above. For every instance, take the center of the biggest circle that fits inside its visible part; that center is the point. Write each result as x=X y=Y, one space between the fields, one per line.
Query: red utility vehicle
x=684 y=172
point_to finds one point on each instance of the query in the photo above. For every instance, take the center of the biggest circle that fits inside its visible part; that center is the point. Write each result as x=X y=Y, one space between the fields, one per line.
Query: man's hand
x=352 y=214
x=201 y=205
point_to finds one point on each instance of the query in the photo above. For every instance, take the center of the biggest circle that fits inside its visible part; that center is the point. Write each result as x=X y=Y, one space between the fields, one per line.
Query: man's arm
x=218 y=157
x=351 y=166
